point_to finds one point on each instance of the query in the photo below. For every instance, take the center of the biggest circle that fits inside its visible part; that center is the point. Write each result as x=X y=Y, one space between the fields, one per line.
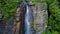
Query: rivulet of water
x=28 y=20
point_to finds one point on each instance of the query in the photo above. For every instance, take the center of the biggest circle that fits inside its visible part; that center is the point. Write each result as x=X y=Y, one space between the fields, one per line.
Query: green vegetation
x=8 y=7
x=54 y=17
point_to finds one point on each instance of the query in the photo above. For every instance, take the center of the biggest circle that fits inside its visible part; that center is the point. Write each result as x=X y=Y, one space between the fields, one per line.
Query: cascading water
x=28 y=19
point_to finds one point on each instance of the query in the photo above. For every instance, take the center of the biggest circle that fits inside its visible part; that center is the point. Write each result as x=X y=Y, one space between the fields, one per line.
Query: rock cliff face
x=6 y=26
x=19 y=20
x=40 y=16
x=16 y=24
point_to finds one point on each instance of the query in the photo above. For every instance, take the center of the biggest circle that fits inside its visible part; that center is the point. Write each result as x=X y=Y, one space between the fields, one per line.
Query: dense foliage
x=8 y=7
x=54 y=17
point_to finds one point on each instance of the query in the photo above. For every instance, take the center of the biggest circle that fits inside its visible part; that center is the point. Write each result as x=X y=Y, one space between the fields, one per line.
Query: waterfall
x=28 y=20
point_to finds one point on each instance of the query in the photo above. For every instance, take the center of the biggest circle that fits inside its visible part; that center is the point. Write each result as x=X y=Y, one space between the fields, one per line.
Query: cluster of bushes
x=8 y=7
x=53 y=17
